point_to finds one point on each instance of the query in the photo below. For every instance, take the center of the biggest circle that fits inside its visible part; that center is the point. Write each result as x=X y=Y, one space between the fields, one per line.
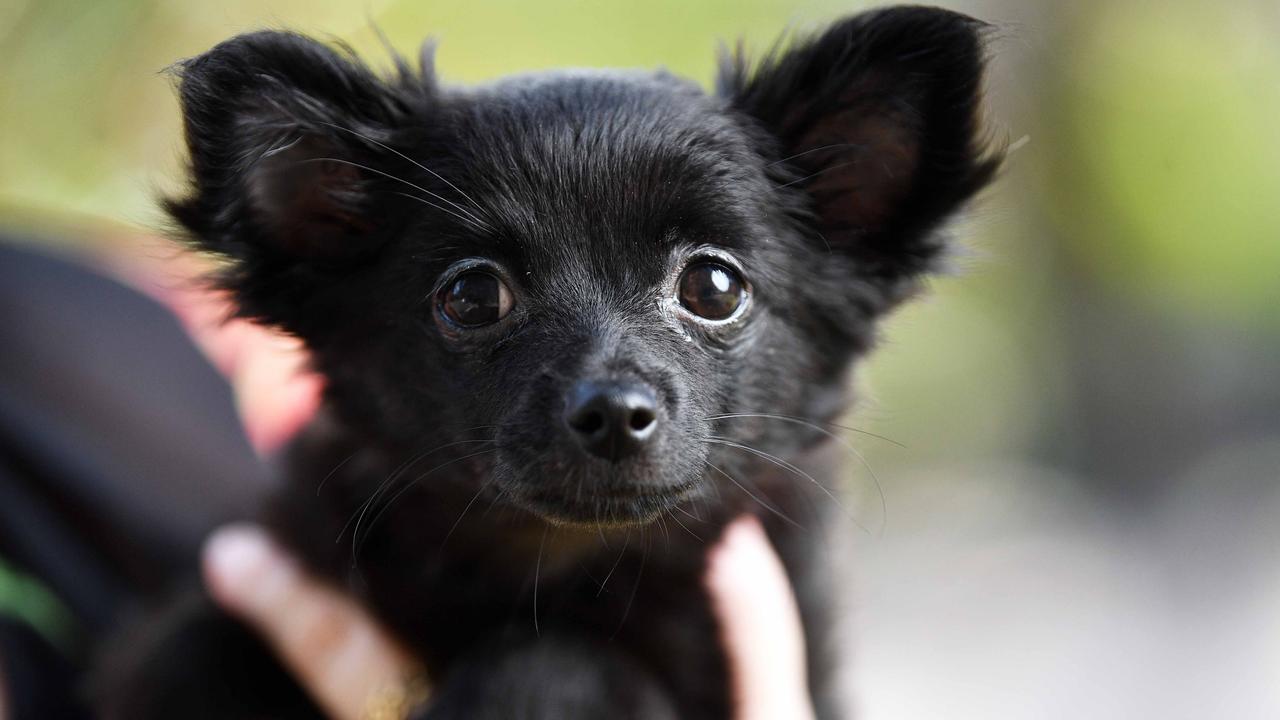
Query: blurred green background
x=1090 y=406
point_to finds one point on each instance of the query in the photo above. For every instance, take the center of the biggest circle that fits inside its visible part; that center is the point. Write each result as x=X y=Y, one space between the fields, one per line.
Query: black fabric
x=38 y=679
x=119 y=445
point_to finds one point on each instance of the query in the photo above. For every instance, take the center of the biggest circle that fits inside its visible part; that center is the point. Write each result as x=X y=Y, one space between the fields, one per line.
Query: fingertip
x=742 y=547
x=275 y=399
x=235 y=559
x=746 y=530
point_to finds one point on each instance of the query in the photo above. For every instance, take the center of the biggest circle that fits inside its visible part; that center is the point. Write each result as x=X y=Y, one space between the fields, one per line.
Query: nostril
x=587 y=423
x=611 y=419
x=641 y=419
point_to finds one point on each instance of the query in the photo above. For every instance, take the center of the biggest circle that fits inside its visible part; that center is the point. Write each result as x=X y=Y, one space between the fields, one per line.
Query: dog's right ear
x=286 y=138
x=876 y=120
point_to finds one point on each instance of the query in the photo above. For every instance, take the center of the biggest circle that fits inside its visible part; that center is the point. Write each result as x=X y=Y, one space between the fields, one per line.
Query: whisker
x=635 y=588
x=334 y=471
x=625 y=542
x=284 y=145
x=437 y=175
x=810 y=176
x=832 y=146
x=442 y=209
x=537 y=571
x=359 y=513
x=767 y=506
x=884 y=505
x=577 y=492
x=355 y=535
x=483 y=486
x=469 y=217
x=792 y=468
x=493 y=502
x=600 y=526
x=688 y=514
x=684 y=527
x=806 y=422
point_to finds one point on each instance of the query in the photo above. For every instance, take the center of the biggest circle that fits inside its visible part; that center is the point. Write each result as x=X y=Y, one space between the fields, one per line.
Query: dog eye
x=711 y=290
x=476 y=298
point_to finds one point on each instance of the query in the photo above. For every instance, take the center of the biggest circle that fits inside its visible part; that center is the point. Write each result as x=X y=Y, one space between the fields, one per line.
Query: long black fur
x=535 y=581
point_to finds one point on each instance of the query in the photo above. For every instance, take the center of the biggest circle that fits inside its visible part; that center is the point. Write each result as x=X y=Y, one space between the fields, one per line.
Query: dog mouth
x=563 y=483
x=608 y=507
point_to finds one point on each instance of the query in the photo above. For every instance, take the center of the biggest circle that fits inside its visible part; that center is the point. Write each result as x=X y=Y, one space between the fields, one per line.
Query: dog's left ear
x=291 y=167
x=877 y=120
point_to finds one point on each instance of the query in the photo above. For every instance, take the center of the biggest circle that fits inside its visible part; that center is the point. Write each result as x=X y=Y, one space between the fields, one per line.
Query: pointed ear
x=282 y=133
x=876 y=119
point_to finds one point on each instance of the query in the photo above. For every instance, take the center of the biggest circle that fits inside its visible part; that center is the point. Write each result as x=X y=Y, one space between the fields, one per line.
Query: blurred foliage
x=1153 y=135
x=1165 y=123
x=26 y=599
x=1147 y=170
x=89 y=124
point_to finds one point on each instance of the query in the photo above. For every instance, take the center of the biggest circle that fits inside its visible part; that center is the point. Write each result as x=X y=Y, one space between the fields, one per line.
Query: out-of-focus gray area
x=1085 y=522
x=1000 y=599
x=1083 y=518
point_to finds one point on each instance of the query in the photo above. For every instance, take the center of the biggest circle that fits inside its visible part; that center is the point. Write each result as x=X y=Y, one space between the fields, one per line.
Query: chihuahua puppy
x=572 y=323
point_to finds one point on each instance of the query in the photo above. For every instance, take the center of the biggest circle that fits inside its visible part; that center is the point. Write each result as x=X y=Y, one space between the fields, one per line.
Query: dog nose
x=611 y=420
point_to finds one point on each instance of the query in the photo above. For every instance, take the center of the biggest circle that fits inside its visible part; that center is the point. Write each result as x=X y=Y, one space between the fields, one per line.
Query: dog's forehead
x=604 y=159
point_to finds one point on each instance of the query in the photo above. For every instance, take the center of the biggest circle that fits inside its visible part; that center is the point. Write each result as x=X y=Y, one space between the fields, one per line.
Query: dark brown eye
x=711 y=290
x=476 y=298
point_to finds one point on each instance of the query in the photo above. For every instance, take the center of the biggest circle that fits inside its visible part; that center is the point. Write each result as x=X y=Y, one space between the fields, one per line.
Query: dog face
x=591 y=269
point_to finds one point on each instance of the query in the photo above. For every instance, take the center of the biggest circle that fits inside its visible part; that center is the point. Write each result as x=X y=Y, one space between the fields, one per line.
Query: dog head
x=591 y=268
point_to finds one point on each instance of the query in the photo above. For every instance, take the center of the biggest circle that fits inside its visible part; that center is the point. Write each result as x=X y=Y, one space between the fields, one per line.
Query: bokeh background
x=1083 y=518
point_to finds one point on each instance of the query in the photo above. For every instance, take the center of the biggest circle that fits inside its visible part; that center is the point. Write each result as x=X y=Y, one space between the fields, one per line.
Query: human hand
x=759 y=625
x=344 y=659
x=350 y=665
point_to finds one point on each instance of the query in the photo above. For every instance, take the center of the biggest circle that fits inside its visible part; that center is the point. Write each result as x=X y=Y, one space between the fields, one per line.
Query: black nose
x=611 y=420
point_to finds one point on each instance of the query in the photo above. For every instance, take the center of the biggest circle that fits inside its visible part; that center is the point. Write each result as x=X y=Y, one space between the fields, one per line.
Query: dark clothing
x=119 y=451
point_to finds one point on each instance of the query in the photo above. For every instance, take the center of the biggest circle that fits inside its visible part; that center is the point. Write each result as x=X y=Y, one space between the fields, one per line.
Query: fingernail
x=236 y=559
x=746 y=530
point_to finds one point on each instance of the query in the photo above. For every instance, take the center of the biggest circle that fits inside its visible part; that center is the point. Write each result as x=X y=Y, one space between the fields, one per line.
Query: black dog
x=558 y=315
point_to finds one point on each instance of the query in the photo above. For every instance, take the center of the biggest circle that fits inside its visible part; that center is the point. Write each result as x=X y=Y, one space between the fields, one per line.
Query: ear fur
x=283 y=134
x=877 y=121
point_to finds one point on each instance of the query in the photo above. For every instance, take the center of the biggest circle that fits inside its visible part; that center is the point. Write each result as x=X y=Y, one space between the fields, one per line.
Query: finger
x=275 y=393
x=760 y=625
x=332 y=647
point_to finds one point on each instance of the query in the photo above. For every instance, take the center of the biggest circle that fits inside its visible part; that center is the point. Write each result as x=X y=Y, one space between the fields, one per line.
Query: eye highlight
x=475 y=298
x=711 y=290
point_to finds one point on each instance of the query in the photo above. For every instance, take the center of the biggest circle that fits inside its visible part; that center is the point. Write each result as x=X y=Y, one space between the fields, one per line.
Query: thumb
x=332 y=647
x=760 y=625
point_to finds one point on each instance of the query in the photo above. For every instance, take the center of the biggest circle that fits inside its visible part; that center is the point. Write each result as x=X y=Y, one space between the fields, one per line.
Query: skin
x=341 y=655
x=343 y=658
